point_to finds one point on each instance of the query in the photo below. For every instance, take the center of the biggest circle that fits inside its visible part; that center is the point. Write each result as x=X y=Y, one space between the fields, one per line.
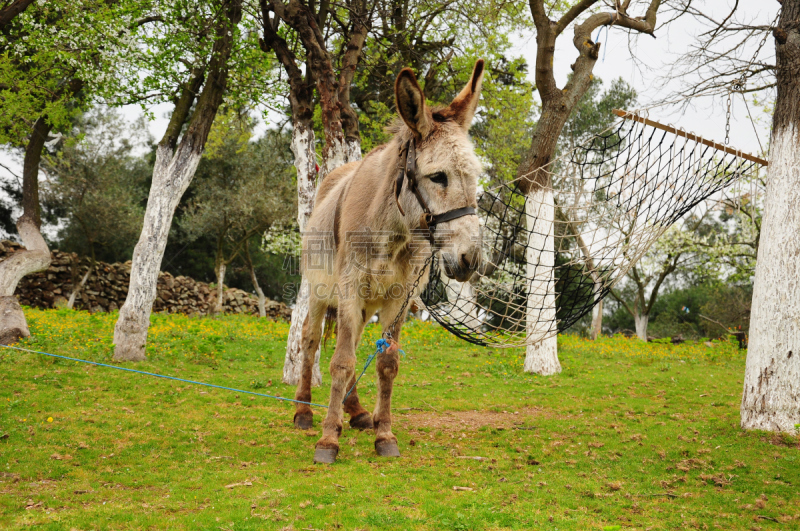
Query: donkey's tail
x=330 y=326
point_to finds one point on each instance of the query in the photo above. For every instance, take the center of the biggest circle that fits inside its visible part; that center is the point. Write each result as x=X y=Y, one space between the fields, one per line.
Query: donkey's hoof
x=387 y=448
x=303 y=421
x=362 y=422
x=325 y=455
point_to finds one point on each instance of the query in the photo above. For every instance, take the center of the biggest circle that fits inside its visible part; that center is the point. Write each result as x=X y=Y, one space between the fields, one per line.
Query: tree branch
x=182 y=108
x=546 y=47
x=8 y=13
x=572 y=14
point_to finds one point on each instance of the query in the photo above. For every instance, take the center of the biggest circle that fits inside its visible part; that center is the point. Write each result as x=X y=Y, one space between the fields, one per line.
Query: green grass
x=629 y=435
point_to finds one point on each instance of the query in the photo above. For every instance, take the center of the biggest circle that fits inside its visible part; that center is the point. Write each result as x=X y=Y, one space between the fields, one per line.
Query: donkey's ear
x=411 y=104
x=462 y=109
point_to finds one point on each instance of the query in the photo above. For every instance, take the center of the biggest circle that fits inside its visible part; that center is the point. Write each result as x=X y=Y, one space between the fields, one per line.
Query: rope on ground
x=164 y=376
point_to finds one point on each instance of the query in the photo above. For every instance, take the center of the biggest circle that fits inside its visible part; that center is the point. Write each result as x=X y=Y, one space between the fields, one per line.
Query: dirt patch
x=462 y=421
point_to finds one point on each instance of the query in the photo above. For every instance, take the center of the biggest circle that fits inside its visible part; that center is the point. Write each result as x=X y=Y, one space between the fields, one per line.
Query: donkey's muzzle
x=462 y=267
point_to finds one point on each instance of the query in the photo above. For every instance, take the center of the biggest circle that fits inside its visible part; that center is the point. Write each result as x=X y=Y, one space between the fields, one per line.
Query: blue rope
x=165 y=377
x=598 y=36
x=381 y=345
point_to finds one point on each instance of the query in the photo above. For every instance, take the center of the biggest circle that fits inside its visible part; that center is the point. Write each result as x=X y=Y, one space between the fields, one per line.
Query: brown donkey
x=374 y=225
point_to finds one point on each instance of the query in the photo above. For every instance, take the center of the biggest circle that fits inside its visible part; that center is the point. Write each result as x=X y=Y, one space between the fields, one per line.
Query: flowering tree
x=195 y=55
x=51 y=64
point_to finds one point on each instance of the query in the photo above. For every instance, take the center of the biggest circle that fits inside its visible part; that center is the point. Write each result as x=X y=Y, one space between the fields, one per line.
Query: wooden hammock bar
x=632 y=116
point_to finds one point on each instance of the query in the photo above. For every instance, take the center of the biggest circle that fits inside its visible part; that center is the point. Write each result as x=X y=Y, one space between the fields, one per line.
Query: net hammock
x=551 y=255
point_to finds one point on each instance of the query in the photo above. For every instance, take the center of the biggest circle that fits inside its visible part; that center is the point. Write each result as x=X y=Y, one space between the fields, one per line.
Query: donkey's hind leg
x=360 y=418
x=312 y=331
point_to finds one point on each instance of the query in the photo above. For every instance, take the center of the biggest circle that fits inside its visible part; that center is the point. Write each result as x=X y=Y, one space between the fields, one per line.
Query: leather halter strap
x=408 y=171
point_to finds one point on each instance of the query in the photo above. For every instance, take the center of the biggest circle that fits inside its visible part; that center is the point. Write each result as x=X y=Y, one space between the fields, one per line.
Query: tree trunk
x=10 y=12
x=771 y=397
x=467 y=312
x=262 y=299
x=573 y=229
x=172 y=173
x=349 y=62
x=597 y=318
x=171 y=177
x=221 y=268
x=78 y=287
x=334 y=101
x=304 y=162
x=641 y=321
x=36 y=256
x=542 y=356
x=353 y=149
x=557 y=104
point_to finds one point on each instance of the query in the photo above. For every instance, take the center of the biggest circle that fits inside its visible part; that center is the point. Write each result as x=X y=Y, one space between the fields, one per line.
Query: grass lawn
x=628 y=436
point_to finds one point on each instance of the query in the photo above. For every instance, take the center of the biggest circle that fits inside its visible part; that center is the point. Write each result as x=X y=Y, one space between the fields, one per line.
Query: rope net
x=552 y=255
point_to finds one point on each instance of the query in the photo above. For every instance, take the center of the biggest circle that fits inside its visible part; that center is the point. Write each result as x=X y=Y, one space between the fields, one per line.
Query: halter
x=427 y=220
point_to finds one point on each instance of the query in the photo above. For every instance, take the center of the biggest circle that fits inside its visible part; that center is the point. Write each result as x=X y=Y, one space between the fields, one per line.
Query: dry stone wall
x=106 y=289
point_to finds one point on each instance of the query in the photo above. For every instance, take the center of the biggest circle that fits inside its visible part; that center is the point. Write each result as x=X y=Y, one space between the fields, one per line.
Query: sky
x=705 y=117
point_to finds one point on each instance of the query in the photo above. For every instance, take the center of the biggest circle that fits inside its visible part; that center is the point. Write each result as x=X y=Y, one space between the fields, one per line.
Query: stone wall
x=107 y=287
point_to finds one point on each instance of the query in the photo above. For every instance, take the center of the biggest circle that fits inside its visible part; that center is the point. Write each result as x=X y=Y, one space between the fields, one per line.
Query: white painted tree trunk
x=77 y=289
x=771 y=397
x=641 y=321
x=221 y=268
x=305 y=163
x=35 y=257
x=171 y=177
x=541 y=357
x=466 y=313
x=353 y=149
x=334 y=155
x=597 y=313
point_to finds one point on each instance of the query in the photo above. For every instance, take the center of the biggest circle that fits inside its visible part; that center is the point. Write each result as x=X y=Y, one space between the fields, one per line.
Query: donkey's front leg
x=342 y=369
x=387 y=366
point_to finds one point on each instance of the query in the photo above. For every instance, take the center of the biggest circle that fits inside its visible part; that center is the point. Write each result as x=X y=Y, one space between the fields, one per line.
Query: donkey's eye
x=439 y=177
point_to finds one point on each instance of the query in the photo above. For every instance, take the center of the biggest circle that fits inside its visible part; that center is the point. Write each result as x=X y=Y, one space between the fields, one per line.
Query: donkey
x=369 y=236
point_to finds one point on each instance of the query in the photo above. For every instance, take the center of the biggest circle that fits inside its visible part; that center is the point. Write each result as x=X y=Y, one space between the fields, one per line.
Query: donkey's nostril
x=469 y=261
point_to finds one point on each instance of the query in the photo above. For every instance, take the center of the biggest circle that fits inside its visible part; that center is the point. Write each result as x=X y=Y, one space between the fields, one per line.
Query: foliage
x=593 y=113
x=95 y=185
x=731 y=251
x=283 y=239
x=54 y=57
x=440 y=41
x=505 y=116
x=275 y=276
x=705 y=310
x=240 y=187
x=628 y=433
x=174 y=43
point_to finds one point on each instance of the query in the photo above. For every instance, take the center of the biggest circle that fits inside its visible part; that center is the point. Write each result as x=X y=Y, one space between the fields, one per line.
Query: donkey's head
x=445 y=173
